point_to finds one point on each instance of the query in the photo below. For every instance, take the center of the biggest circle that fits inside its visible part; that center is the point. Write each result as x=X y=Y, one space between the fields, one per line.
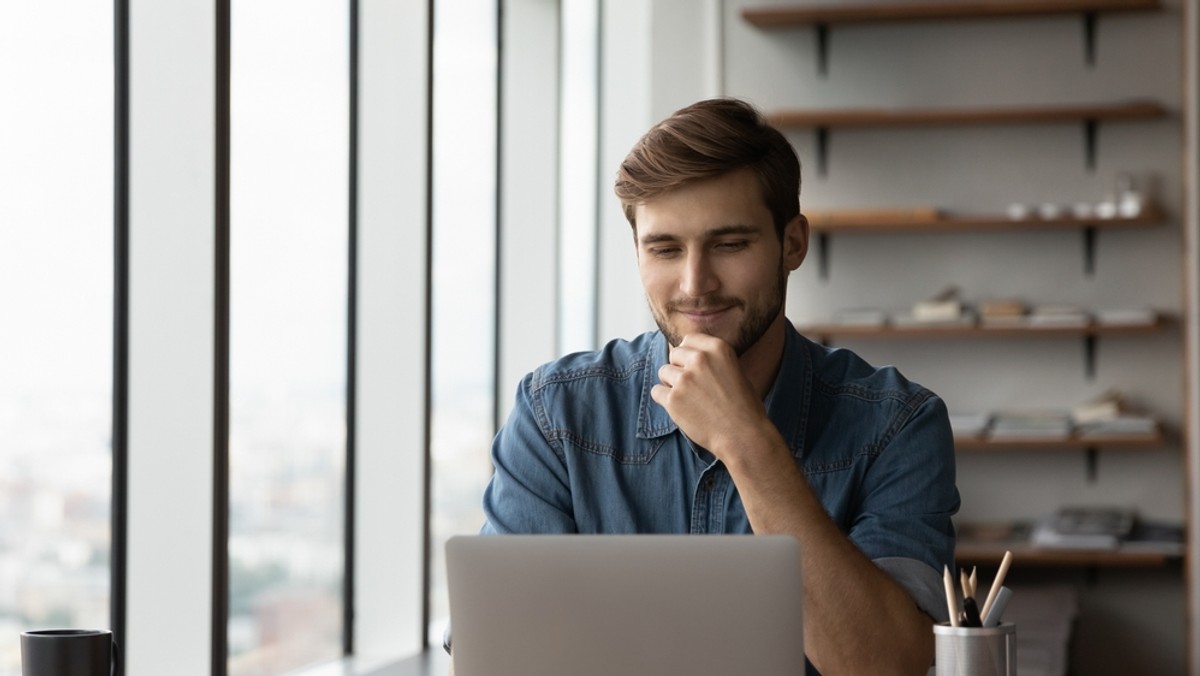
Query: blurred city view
x=56 y=234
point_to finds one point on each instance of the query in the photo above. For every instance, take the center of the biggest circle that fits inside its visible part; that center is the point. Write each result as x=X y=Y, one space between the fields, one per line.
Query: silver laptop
x=601 y=605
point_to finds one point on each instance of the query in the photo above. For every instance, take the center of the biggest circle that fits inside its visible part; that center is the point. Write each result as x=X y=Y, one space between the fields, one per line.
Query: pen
x=950 y=604
x=971 y=613
x=998 y=582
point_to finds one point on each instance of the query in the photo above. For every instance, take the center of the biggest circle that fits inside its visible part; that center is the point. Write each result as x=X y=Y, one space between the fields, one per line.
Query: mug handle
x=116 y=660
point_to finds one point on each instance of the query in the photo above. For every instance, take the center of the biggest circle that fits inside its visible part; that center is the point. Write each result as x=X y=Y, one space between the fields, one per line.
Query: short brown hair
x=705 y=140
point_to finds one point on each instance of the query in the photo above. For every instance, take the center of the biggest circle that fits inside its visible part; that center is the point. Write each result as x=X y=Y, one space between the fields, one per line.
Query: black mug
x=69 y=652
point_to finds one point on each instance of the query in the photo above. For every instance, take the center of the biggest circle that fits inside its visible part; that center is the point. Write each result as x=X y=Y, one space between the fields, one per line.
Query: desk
x=1044 y=617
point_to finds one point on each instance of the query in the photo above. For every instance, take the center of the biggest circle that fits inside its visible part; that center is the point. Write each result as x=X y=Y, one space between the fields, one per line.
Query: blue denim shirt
x=586 y=450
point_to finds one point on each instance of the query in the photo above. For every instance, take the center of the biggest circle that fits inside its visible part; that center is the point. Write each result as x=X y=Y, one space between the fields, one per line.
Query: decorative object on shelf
x=945 y=307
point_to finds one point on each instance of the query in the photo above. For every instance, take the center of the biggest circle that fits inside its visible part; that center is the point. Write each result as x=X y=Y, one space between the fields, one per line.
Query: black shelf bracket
x=1091 y=128
x=822 y=49
x=1089 y=38
x=822 y=139
x=1089 y=356
x=1089 y=251
x=1091 y=459
x=823 y=256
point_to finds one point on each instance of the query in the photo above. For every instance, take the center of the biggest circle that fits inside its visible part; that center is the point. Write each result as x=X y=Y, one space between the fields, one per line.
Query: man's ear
x=795 y=241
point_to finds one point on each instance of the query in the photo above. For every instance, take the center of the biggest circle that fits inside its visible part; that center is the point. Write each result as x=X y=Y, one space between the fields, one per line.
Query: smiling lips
x=702 y=315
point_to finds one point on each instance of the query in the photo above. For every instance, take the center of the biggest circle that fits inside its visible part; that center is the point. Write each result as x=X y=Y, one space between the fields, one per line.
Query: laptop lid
x=598 y=605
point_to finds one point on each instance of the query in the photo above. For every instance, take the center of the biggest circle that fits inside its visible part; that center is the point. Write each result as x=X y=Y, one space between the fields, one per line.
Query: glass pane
x=289 y=238
x=56 y=254
x=464 y=271
x=578 y=175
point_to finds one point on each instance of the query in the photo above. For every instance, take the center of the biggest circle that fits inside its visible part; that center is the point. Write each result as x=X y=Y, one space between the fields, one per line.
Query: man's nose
x=698 y=276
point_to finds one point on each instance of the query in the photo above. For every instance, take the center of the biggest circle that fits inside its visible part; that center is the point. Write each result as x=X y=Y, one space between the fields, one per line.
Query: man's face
x=710 y=260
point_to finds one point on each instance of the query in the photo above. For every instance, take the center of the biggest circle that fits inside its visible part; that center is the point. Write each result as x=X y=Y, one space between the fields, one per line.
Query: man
x=726 y=420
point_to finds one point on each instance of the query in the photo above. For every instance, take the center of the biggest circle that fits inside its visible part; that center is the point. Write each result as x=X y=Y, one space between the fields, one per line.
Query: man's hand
x=707 y=394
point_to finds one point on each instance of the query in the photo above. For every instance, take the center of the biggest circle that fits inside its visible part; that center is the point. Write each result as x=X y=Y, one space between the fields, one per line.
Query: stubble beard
x=759 y=316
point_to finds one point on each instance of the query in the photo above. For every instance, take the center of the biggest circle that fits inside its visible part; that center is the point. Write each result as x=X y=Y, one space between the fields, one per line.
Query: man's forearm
x=857 y=618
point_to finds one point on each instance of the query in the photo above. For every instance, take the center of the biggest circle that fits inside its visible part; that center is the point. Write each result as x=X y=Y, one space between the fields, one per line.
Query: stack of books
x=861 y=317
x=1030 y=424
x=1051 y=316
x=1085 y=528
x=1001 y=312
x=1134 y=316
x=1106 y=415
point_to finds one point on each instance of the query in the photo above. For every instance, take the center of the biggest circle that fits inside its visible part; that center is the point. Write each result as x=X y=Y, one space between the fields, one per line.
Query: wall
x=1131 y=620
x=1124 y=614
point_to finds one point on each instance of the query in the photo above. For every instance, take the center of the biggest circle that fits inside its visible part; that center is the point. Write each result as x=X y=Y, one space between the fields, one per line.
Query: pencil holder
x=975 y=651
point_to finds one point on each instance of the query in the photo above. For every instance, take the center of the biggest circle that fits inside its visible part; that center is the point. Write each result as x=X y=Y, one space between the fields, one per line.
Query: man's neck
x=761 y=362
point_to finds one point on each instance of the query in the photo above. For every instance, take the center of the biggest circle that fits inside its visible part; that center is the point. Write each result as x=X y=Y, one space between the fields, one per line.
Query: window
x=464 y=272
x=578 y=175
x=288 y=300
x=56 y=271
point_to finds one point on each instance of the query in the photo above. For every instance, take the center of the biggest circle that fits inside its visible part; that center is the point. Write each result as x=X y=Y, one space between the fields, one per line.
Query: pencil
x=950 y=604
x=973 y=580
x=964 y=583
x=997 y=583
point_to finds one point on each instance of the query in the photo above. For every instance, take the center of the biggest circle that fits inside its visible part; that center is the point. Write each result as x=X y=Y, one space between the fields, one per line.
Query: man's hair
x=705 y=140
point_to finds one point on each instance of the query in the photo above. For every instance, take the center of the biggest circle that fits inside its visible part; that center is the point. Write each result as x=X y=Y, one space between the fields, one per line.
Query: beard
x=760 y=312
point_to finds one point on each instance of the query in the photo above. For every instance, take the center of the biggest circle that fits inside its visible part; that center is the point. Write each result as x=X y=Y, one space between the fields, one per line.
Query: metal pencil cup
x=976 y=651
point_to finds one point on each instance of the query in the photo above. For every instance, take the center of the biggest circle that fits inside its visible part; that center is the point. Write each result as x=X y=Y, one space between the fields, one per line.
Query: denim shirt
x=586 y=450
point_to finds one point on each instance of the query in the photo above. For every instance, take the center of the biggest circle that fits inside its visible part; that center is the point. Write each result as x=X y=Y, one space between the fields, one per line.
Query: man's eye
x=664 y=251
x=733 y=245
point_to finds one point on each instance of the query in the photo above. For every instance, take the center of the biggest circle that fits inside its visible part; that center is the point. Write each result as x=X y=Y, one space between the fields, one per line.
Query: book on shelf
x=967 y=319
x=1054 y=316
x=1030 y=424
x=866 y=317
x=1107 y=415
x=1085 y=527
x=1155 y=536
x=1131 y=316
x=1002 y=312
x=1120 y=426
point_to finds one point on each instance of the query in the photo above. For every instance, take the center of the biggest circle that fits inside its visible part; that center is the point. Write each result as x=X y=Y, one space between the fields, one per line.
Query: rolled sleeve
x=530 y=489
x=908 y=499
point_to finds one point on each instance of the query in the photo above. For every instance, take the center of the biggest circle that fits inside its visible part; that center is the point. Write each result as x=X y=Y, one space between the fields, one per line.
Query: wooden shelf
x=1027 y=556
x=1074 y=443
x=940 y=223
x=899 y=117
x=782 y=17
x=824 y=332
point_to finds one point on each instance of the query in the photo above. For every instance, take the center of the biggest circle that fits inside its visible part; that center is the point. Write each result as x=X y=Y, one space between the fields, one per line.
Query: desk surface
x=1044 y=616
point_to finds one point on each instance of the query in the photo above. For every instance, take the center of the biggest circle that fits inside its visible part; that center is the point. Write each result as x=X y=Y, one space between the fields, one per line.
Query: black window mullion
x=221 y=175
x=351 y=347
x=120 y=385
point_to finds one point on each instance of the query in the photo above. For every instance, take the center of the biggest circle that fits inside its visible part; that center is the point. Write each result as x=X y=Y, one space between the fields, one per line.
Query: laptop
x=599 y=605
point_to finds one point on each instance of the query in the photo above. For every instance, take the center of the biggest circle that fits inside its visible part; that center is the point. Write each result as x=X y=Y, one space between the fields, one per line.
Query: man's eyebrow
x=722 y=231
